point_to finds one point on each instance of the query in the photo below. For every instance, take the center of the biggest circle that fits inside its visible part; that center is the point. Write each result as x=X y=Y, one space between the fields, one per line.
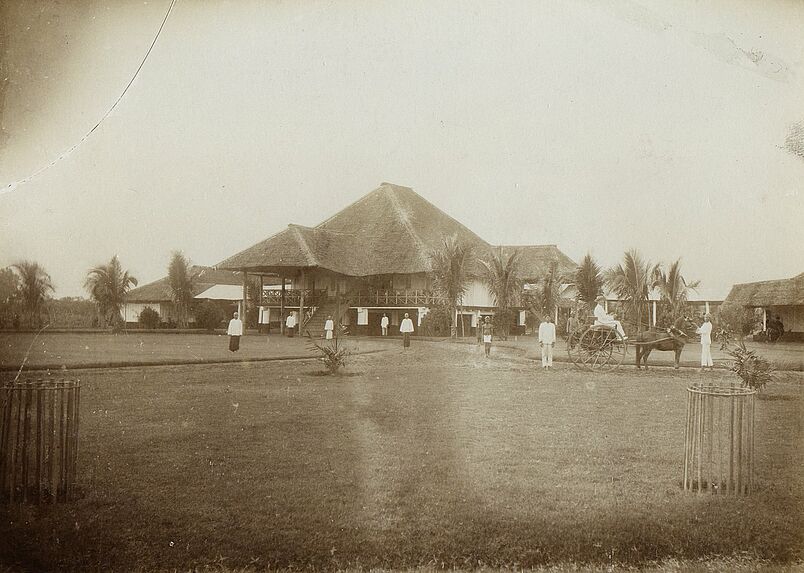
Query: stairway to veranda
x=327 y=306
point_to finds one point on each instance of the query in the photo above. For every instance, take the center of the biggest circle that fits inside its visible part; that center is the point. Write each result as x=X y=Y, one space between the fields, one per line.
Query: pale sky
x=595 y=126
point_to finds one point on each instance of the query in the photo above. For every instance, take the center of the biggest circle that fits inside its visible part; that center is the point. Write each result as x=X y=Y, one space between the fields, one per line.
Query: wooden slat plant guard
x=38 y=440
x=719 y=439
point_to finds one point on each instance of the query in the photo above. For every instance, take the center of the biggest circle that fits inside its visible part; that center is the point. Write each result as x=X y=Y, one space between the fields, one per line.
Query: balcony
x=392 y=298
x=273 y=297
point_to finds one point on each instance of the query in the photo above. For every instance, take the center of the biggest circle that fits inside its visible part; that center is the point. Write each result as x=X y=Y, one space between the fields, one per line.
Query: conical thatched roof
x=390 y=230
x=768 y=293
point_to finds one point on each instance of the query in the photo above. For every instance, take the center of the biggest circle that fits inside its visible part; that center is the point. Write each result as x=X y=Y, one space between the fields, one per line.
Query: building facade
x=370 y=259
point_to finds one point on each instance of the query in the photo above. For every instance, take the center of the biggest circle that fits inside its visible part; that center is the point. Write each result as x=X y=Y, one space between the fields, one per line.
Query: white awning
x=222 y=292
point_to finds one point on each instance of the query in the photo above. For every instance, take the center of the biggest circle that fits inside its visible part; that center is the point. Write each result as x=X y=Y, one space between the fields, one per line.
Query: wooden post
x=686 y=440
x=51 y=437
x=282 y=307
x=260 y=301
x=301 y=302
x=245 y=298
x=39 y=450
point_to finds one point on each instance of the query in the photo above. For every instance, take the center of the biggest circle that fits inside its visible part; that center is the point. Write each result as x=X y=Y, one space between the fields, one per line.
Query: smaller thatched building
x=783 y=298
x=208 y=284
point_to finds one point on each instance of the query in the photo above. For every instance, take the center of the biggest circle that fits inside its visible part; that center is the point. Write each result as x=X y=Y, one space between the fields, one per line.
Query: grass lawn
x=92 y=349
x=432 y=457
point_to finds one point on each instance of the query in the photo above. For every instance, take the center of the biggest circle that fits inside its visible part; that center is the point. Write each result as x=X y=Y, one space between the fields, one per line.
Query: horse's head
x=680 y=324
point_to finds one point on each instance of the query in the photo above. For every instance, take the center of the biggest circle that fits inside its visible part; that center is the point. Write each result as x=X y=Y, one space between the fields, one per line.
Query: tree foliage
x=543 y=299
x=588 y=280
x=631 y=281
x=107 y=285
x=180 y=283
x=149 y=318
x=34 y=287
x=208 y=315
x=736 y=320
x=437 y=321
x=450 y=273
x=333 y=353
x=673 y=288
x=501 y=275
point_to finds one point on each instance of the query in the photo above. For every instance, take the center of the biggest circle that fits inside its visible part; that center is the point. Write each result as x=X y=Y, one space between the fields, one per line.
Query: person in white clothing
x=705 y=330
x=406 y=328
x=603 y=317
x=384 y=324
x=235 y=331
x=329 y=327
x=290 y=324
x=547 y=338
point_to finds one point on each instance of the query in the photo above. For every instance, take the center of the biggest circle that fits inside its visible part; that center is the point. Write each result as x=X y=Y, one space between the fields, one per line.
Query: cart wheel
x=599 y=349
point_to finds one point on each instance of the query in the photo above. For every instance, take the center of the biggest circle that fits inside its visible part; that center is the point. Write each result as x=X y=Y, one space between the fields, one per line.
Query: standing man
x=705 y=330
x=290 y=324
x=406 y=328
x=384 y=324
x=604 y=318
x=487 y=331
x=235 y=331
x=329 y=326
x=547 y=338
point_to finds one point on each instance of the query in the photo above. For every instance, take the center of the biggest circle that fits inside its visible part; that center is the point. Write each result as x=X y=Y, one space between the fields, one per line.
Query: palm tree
x=673 y=288
x=34 y=287
x=631 y=281
x=588 y=281
x=544 y=299
x=107 y=286
x=502 y=277
x=181 y=285
x=449 y=271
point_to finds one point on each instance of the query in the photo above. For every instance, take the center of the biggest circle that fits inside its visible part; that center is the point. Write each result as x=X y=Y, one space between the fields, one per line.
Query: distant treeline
x=67 y=312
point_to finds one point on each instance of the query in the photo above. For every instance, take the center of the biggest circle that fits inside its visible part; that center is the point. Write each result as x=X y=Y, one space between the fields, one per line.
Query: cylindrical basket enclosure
x=38 y=440
x=719 y=439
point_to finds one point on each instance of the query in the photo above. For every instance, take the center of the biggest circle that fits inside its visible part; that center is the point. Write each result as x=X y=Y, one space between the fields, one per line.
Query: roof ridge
x=318 y=230
x=352 y=204
x=523 y=246
x=308 y=252
x=447 y=215
x=398 y=208
x=770 y=280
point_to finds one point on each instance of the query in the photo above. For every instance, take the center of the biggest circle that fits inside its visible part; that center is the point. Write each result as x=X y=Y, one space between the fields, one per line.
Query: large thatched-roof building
x=372 y=258
x=783 y=298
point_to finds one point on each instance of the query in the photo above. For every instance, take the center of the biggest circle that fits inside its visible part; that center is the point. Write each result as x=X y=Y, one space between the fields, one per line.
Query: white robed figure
x=329 y=327
x=547 y=338
x=235 y=331
x=602 y=317
x=705 y=330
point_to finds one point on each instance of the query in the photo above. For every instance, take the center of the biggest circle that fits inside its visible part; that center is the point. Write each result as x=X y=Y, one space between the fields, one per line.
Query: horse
x=672 y=338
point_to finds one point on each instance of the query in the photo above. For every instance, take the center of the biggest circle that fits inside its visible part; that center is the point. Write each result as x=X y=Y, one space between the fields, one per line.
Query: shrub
x=149 y=318
x=436 y=322
x=735 y=319
x=502 y=321
x=754 y=370
x=208 y=315
x=333 y=354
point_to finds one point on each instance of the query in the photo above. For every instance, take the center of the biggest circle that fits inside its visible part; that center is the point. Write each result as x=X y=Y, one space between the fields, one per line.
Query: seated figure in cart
x=602 y=317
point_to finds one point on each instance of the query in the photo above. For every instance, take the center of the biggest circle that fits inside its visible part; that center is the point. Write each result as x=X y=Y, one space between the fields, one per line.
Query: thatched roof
x=781 y=292
x=203 y=279
x=391 y=230
x=535 y=260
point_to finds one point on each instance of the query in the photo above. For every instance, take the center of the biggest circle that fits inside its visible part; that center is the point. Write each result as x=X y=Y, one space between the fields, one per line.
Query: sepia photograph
x=401 y=286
